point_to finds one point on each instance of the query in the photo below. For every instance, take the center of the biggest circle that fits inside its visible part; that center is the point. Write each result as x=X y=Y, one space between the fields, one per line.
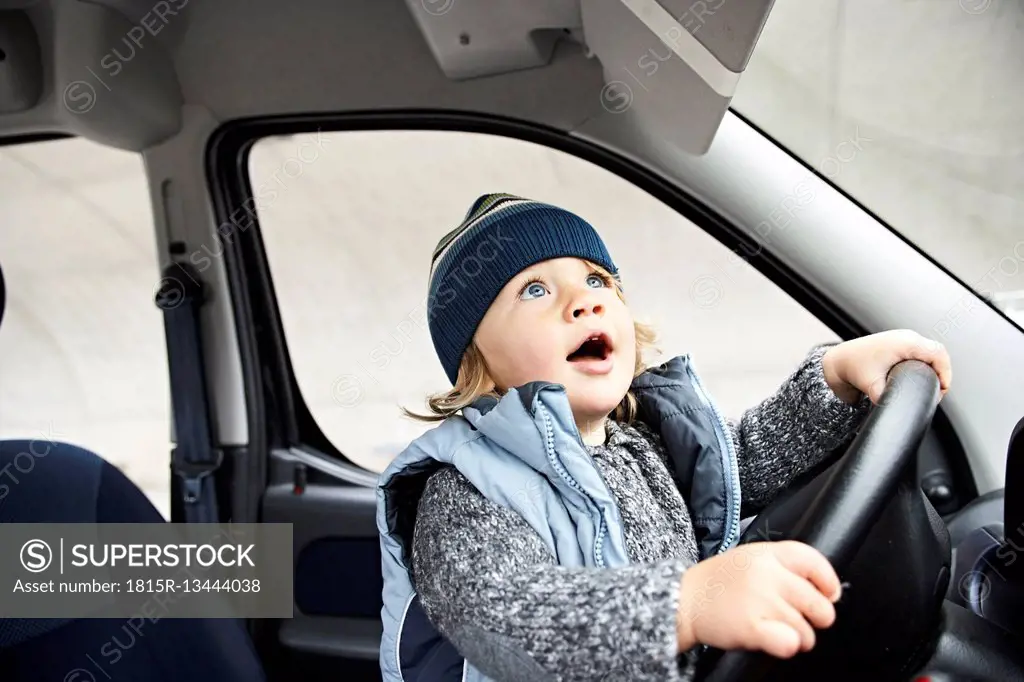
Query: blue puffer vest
x=525 y=452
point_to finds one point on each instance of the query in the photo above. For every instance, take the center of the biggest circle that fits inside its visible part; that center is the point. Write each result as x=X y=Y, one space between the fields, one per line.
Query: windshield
x=917 y=111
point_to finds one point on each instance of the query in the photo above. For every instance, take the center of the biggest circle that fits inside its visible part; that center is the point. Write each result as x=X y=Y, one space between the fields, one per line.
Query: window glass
x=349 y=221
x=914 y=108
x=84 y=357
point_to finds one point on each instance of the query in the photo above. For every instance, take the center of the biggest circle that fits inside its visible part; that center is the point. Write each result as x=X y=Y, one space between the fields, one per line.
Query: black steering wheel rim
x=841 y=515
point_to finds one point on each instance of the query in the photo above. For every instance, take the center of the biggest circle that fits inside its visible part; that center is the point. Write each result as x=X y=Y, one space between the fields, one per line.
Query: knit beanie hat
x=500 y=236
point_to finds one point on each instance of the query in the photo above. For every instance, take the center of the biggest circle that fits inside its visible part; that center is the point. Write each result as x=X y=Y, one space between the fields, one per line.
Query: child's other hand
x=766 y=596
x=862 y=365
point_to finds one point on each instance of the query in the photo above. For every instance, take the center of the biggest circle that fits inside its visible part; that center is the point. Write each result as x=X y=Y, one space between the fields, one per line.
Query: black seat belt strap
x=194 y=458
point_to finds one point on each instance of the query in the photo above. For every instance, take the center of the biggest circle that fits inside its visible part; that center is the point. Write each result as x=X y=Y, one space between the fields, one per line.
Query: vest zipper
x=732 y=521
x=549 y=444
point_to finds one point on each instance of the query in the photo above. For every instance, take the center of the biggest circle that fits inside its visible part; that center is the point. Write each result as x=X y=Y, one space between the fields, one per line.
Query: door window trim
x=279 y=416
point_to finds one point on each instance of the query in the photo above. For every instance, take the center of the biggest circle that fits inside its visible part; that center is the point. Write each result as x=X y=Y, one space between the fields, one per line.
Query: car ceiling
x=245 y=58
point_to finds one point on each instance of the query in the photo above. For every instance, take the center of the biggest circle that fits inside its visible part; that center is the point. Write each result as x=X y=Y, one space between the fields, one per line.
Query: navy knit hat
x=500 y=236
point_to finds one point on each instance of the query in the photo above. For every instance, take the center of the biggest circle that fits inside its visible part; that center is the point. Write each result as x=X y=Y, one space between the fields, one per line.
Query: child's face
x=542 y=317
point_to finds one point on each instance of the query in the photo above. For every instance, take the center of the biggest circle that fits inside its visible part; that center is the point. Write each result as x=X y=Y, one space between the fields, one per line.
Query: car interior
x=922 y=514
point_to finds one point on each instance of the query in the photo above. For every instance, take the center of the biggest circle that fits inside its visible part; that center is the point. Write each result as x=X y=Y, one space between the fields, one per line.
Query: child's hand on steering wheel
x=861 y=366
x=765 y=596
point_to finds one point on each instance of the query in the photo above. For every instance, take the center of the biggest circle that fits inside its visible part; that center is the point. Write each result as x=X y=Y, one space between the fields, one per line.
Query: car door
x=309 y=481
x=323 y=390
x=338 y=315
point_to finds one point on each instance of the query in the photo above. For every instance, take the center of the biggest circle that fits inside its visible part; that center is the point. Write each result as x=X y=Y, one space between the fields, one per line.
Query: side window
x=82 y=343
x=350 y=220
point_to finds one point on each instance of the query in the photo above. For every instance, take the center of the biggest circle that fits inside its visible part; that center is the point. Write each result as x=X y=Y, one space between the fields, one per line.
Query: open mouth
x=594 y=347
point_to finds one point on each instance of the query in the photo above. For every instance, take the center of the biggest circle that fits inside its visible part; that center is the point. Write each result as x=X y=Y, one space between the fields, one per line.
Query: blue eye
x=596 y=278
x=533 y=290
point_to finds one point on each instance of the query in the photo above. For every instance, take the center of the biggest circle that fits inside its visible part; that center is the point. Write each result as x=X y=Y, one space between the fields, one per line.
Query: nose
x=583 y=304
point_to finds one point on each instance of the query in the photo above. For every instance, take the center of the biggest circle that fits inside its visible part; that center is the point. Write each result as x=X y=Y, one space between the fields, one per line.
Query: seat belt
x=194 y=457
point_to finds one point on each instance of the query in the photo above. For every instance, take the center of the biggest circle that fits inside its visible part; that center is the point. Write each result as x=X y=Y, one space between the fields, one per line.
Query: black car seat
x=52 y=482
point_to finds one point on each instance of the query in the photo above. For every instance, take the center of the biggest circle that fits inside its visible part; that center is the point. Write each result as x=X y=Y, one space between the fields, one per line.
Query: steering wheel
x=839 y=518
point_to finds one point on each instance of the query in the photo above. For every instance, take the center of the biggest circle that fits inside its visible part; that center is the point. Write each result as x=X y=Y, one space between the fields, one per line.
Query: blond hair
x=474 y=381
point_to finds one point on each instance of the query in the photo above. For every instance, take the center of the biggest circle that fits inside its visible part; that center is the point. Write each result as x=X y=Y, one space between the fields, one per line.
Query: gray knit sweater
x=488 y=583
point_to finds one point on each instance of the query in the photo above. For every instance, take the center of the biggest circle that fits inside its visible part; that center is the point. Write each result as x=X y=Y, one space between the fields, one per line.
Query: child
x=574 y=516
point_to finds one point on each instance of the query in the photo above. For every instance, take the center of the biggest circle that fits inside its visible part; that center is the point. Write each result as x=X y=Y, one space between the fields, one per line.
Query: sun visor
x=673 y=66
x=114 y=79
x=21 y=67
